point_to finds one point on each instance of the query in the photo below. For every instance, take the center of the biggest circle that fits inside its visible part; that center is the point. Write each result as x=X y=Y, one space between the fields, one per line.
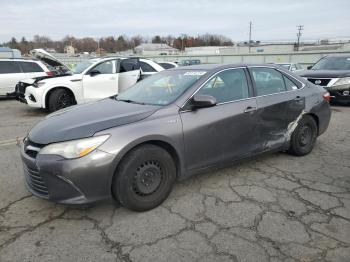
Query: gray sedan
x=177 y=123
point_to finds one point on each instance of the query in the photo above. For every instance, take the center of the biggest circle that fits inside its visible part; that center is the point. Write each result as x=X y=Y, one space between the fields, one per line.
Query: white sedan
x=91 y=80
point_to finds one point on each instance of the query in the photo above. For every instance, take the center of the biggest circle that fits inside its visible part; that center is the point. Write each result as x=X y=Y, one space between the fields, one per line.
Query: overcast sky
x=272 y=19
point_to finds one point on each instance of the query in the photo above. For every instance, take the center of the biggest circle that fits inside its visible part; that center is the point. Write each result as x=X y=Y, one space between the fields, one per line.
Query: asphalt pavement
x=275 y=207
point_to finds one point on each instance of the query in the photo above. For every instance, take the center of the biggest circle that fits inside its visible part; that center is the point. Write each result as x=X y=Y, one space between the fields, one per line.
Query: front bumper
x=29 y=95
x=69 y=181
x=19 y=93
x=341 y=96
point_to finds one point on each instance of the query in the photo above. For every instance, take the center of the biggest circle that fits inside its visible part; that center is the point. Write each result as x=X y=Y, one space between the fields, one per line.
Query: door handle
x=250 y=109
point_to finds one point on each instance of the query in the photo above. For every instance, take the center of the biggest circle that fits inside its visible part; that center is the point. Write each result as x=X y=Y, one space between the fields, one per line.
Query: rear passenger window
x=127 y=65
x=146 y=67
x=290 y=85
x=166 y=66
x=267 y=81
x=227 y=86
x=9 y=67
x=30 y=67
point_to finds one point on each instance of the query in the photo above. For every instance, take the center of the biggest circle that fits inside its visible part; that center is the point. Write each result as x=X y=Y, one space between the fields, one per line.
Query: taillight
x=327 y=96
x=49 y=73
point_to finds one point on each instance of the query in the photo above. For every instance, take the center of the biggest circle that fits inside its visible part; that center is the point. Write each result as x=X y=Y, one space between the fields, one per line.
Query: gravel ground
x=273 y=208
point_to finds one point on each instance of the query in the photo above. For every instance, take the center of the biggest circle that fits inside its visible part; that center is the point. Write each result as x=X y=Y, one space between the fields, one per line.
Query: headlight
x=342 y=81
x=39 y=84
x=74 y=148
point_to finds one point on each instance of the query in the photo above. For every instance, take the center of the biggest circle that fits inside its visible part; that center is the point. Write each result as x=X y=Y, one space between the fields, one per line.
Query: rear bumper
x=323 y=112
x=76 y=181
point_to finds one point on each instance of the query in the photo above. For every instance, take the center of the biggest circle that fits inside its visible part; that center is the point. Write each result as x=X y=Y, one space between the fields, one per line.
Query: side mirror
x=94 y=73
x=309 y=67
x=202 y=101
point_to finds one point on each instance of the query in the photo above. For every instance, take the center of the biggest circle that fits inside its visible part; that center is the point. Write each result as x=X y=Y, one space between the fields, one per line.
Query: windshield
x=162 y=88
x=333 y=63
x=80 y=67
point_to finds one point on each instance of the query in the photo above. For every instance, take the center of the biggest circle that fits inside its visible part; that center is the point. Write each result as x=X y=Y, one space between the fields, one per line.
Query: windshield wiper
x=129 y=101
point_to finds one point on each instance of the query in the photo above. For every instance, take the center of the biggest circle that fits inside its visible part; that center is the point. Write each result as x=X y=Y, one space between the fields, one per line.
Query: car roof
x=214 y=67
x=116 y=57
x=19 y=59
x=339 y=55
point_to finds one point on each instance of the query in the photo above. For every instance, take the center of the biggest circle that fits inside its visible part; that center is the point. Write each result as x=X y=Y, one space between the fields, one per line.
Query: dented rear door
x=277 y=107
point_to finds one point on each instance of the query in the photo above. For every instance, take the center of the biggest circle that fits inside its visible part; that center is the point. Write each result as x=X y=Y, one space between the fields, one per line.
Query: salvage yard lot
x=273 y=208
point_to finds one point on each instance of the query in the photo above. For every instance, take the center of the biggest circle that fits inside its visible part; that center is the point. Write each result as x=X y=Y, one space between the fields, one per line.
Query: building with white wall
x=69 y=49
x=155 y=49
x=6 y=52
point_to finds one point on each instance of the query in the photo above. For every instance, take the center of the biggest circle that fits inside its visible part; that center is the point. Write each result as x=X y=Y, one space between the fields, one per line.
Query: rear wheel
x=58 y=99
x=304 y=137
x=144 y=178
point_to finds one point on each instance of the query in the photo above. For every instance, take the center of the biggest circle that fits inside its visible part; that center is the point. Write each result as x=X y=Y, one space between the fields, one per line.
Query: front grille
x=320 y=81
x=35 y=182
x=32 y=149
x=20 y=88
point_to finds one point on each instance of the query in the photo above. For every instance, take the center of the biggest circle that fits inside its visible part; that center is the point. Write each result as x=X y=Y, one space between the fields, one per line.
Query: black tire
x=304 y=137
x=58 y=99
x=144 y=178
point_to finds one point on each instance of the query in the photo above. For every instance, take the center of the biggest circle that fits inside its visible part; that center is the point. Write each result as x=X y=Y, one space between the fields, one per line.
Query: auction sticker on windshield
x=195 y=73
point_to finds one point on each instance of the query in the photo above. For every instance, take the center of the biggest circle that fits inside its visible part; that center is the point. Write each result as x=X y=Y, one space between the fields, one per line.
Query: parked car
x=167 y=65
x=14 y=70
x=148 y=67
x=291 y=66
x=333 y=73
x=169 y=126
x=91 y=80
x=188 y=62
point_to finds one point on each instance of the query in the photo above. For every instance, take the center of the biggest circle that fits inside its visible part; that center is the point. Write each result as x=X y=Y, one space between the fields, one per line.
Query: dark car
x=189 y=62
x=333 y=73
x=169 y=126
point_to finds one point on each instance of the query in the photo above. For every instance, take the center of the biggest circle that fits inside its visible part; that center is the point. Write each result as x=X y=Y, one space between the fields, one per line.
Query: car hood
x=49 y=59
x=52 y=79
x=324 y=73
x=85 y=120
x=61 y=79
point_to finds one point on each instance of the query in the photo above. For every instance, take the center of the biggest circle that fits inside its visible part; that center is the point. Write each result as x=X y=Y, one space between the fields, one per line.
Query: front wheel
x=304 y=137
x=144 y=178
x=58 y=99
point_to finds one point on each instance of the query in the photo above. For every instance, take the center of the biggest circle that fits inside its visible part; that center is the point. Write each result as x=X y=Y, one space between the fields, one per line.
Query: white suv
x=90 y=80
x=14 y=70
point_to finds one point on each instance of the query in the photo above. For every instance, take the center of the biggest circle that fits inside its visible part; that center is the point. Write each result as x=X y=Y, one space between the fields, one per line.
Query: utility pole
x=300 y=28
x=182 y=43
x=250 y=34
x=98 y=46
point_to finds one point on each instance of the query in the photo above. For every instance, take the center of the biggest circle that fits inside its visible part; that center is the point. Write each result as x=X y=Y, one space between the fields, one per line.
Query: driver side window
x=104 y=68
x=227 y=86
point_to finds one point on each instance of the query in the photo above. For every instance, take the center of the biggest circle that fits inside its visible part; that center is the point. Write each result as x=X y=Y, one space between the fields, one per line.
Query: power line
x=300 y=28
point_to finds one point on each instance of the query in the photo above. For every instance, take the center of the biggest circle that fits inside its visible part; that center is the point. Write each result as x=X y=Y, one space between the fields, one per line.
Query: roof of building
x=5 y=49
